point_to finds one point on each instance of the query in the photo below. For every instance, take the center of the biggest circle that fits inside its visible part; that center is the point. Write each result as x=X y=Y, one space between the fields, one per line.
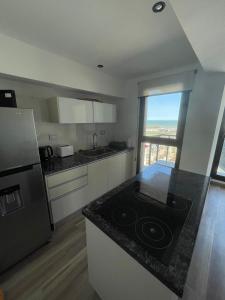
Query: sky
x=163 y=107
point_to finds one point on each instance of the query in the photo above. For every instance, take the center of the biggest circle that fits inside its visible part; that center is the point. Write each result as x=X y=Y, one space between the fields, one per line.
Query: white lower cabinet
x=97 y=179
x=66 y=176
x=115 y=171
x=68 y=187
x=70 y=190
x=127 y=165
x=68 y=204
x=67 y=192
x=119 y=169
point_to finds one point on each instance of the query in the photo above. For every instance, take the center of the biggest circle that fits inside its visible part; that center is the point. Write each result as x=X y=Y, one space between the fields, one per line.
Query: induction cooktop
x=152 y=219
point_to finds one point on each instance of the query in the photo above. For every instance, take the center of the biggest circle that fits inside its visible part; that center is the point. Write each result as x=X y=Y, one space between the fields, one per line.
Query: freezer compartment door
x=24 y=215
x=18 y=138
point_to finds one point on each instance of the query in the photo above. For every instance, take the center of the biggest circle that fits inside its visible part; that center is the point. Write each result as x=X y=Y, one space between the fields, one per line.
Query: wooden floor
x=58 y=270
x=206 y=277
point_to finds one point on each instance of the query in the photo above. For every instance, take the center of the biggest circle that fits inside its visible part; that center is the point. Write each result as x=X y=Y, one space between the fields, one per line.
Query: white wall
x=203 y=122
x=34 y=96
x=204 y=25
x=25 y=61
x=128 y=118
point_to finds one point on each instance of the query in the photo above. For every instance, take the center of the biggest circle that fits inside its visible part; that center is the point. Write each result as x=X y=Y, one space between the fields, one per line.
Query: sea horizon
x=162 y=123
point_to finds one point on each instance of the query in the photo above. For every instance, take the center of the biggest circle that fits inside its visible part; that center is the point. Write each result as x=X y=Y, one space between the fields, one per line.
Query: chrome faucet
x=94 y=136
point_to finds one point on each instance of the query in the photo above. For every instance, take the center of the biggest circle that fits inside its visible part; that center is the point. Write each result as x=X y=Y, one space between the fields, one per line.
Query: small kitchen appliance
x=46 y=152
x=7 y=98
x=64 y=150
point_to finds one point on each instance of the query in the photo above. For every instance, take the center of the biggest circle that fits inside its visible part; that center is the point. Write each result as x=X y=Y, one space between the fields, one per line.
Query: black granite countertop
x=57 y=164
x=190 y=186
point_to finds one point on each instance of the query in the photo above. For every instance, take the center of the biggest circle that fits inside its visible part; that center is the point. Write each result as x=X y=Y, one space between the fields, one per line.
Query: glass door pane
x=221 y=167
x=218 y=167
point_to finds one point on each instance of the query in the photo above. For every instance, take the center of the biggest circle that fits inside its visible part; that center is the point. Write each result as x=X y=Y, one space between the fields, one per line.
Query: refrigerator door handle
x=16 y=170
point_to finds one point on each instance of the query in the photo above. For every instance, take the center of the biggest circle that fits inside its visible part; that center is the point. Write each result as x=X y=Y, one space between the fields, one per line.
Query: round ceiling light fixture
x=158 y=6
x=100 y=66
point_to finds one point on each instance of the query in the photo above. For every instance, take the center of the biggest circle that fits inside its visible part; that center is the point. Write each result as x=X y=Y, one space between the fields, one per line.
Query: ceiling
x=205 y=28
x=123 y=35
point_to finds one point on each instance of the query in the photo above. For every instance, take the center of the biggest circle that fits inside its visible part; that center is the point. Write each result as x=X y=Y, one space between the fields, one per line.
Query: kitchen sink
x=96 y=152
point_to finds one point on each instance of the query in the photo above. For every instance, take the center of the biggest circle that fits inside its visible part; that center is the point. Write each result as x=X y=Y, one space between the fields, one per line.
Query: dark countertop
x=57 y=164
x=183 y=184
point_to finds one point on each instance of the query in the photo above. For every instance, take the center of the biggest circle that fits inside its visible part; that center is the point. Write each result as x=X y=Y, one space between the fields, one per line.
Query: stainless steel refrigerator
x=24 y=215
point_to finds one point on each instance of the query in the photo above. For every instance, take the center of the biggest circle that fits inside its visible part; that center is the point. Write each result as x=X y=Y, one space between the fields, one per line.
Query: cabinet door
x=97 y=179
x=68 y=204
x=127 y=165
x=115 y=171
x=104 y=112
x=68 y=110
x=68 y=187
x=119 y=169
x=67 y=192
x=75 y=111
x=65 y=176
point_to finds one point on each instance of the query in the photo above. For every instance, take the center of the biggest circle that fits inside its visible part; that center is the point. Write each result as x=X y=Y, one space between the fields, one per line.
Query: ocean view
x=162 y=123
x=162 y=128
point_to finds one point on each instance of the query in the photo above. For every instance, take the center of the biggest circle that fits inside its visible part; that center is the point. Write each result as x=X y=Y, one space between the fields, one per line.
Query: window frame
x=178 y=142
x=218 y=152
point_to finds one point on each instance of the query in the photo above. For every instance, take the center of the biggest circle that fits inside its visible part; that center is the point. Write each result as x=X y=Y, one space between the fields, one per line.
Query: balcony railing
x=163 y=154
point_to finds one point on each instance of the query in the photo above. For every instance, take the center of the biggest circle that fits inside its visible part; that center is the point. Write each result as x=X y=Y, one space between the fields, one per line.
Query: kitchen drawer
x=62 y=177
x=67 y=187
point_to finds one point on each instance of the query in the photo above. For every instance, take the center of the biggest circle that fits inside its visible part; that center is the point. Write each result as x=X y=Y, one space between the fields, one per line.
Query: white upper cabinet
x=104 y=112
x=67 y=110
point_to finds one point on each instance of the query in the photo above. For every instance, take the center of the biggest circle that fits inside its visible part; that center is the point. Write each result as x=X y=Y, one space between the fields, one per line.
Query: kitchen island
x=141 y=235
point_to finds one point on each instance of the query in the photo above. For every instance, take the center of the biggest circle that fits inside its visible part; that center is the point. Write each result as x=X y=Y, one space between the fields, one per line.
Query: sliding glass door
x=218 y=169
x=161 y=128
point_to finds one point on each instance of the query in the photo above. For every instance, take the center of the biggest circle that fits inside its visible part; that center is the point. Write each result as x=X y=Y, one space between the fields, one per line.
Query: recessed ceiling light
x=158 y=6
x=100 y=66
